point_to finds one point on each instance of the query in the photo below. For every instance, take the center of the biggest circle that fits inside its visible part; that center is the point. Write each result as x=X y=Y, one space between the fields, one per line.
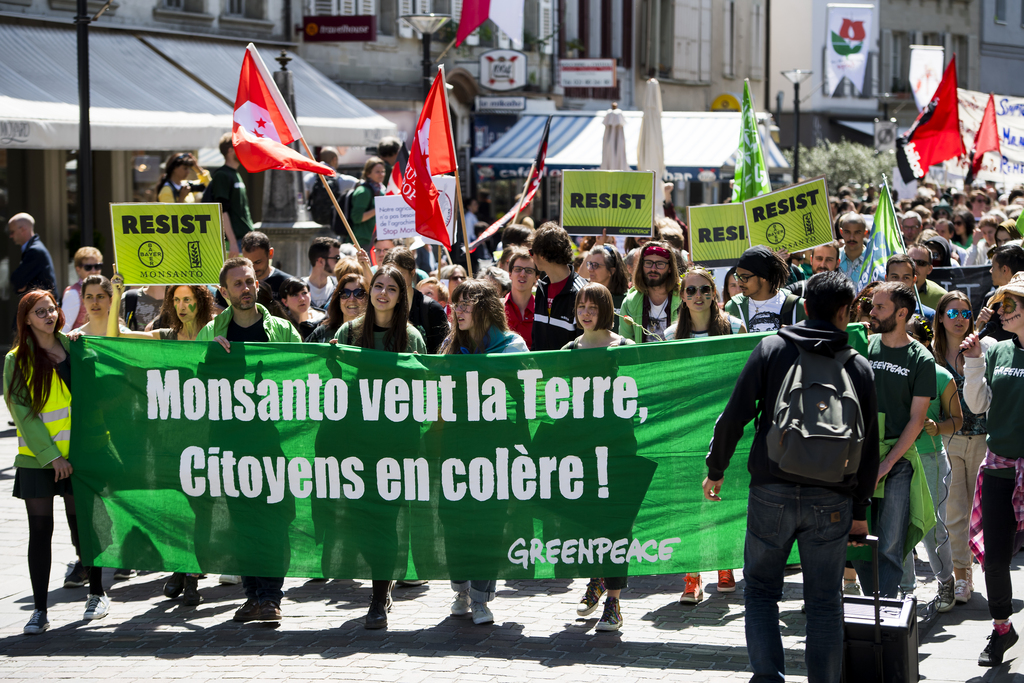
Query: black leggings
x=40 y=543
x=999 y=524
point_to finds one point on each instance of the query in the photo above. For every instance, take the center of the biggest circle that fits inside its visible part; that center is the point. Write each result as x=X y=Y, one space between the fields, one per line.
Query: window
x=756 y=42
x=247 y=9
x=899 y=62
x=961 y=46
x=691 y=55
x=729 y=39
x=195 y=6
x=1000 y=13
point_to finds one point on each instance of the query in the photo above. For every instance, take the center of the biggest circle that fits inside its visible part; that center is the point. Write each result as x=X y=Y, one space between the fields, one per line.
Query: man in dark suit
x=35 y=271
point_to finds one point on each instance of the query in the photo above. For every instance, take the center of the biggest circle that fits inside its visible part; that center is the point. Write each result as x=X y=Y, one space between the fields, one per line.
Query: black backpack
x=337 y=227
x=321 y=208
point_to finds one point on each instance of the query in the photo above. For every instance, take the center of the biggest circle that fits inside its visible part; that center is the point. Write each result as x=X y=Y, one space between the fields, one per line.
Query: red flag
x=987 y=139
x=264 y=125
x=398 y=171
x=433 y=136
x=935 y=135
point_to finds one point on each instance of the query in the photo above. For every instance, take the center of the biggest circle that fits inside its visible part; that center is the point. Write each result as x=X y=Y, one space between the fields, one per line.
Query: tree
x=844 y=163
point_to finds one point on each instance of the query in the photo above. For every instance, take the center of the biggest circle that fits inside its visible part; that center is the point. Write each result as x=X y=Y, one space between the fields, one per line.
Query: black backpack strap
x=788 y=306
x=131 y=301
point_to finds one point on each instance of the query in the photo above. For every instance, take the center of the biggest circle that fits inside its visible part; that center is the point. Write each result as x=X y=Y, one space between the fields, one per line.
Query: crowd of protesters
x=929 y=471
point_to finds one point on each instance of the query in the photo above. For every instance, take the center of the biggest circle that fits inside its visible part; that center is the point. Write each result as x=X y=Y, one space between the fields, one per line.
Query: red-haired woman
x=37 y=375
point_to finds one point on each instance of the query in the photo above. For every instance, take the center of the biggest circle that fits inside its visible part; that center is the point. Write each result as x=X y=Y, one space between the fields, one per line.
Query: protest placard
x=167 y=244
x=718 y=234
x=395 y=219
x=794 y=218
x=621 y=202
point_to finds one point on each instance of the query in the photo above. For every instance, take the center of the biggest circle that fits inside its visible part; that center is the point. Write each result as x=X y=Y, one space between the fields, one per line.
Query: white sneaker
x=230 y=579
x=96 y=607
x=461 y=605
x=37 y=624
x=482 y=613
x=851 y=588
x=962 y=591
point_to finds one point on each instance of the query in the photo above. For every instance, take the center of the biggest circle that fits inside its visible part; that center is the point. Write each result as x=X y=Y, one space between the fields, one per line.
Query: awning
x=698 y=145
x=140 y=100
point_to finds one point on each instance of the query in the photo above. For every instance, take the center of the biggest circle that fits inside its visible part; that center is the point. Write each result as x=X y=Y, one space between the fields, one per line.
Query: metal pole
x=426 y=65
x=85 y=198
x=796 y=142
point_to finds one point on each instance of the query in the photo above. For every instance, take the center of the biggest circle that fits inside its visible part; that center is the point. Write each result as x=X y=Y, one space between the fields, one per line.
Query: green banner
x=168 y=244
x=315 y=460
x=794 y=218
x=718 y=234
x=621 y=202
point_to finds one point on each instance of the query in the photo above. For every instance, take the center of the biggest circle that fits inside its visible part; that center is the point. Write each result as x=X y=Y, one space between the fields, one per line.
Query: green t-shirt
x=900 y=375
x=1004 y=372
x=227 y=188
x=362 y=201
x=931 y=294
x=415 y=344
x=936 y=411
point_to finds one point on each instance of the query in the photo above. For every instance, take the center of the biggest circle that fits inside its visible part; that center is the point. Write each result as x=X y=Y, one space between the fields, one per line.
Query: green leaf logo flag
x=751 y=178
x=886 y=236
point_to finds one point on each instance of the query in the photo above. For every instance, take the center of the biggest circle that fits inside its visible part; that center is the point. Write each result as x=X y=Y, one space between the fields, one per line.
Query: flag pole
x=899 y=233
x=522 y=197
x=458 y=185
x=330 y=193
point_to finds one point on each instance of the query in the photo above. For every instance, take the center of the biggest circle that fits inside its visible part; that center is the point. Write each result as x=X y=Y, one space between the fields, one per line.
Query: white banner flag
x=926 y=65
x=1007 y=167
x=847 y=44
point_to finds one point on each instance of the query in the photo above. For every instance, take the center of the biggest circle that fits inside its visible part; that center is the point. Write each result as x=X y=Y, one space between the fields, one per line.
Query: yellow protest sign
x=621 y=202
x=168 y=244
x=718 y=234
x=794 y=218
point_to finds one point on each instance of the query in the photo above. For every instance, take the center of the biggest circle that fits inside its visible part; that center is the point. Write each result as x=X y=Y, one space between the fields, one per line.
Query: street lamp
x=426 y=24
x=796 y=77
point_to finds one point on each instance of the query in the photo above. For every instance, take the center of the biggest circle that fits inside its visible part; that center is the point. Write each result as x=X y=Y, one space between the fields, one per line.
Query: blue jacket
x=35 y=270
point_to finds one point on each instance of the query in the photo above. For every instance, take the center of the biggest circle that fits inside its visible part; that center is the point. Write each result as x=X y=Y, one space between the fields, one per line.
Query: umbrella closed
x=650 y=153
x=613 y=151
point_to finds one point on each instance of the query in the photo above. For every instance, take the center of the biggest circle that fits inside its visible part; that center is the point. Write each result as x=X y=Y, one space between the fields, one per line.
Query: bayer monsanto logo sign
x=150 y=254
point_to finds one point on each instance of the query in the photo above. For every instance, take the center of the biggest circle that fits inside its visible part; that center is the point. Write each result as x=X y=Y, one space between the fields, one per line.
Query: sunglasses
x=703 y=289
x=92 y=267
x=1009 y=305
x=921 y=263
x=349 y=293
x=953 y=313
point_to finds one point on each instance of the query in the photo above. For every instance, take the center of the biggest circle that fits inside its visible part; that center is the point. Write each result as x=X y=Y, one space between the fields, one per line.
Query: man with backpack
x=819 y=502
x=763 y=305
x=318 y=200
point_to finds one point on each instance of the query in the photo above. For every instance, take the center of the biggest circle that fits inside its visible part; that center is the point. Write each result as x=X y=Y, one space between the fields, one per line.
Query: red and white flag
x=264 y=125
x=987 y=140
x=935 y=136
x=398 y=171
x=432 y=153
x=506 y=15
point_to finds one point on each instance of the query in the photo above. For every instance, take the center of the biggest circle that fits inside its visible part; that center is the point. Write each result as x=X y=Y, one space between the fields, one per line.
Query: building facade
x=1002 y=47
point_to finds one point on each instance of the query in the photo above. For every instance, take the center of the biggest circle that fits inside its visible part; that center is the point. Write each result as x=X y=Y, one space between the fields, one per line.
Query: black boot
x=377 y=617
x=992 y=655
x=174 y=585
x=192 y=596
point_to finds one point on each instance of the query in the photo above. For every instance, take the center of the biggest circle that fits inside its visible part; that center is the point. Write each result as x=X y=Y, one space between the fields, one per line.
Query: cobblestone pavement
x=536 y=634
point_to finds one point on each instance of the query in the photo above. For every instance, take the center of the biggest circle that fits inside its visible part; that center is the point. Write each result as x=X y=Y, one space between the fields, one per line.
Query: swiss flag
x=987 y=139
x=935 y=135
x=432 y=153
x=264 y=125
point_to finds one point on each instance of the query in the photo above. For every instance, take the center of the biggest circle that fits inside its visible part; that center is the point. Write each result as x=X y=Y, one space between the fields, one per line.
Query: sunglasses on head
x=703 y=289
x=92 y=266
x=349 y=293
x=952 y=313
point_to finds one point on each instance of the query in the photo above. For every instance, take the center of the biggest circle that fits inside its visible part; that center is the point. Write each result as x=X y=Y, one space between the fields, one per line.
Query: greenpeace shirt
x=900 y=375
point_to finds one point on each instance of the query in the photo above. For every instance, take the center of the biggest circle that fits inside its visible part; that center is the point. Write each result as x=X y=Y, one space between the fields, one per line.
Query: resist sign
x=718 y=234
x=621 y=202
x=794 y=218
x=167 y=244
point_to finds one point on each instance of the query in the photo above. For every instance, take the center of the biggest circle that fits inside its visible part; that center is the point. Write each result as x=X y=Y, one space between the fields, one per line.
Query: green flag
x=751 y=178
x=886 y=236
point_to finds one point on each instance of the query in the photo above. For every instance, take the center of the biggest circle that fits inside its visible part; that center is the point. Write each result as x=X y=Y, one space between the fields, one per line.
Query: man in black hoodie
x=784 y=508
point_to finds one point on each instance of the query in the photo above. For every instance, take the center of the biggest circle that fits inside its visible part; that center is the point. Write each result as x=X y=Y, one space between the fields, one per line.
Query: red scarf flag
x=935 y=136
x=987 y=139
x=532 y=185
x=432 y=154
x=264 y=125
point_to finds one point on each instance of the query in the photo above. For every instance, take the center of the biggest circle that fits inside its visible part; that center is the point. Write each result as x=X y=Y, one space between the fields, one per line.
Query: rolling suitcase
x=879 y=635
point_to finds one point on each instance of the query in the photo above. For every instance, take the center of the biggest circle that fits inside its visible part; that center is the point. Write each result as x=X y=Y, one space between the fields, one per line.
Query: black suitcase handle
x=872 y=541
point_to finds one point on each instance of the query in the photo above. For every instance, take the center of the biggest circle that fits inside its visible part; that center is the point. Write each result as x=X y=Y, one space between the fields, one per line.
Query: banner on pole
x=718 y=234
x=320 y=460
x=621 y=202
x=926 y=65
x=168 y=244
x=1007 y=167
x=794 y=218
x=847 y=44
x=974 y=281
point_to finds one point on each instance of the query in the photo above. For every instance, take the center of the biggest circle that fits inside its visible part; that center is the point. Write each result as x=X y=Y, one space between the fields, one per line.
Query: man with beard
x=554 y=318
x=823 y=259
x=905 y=385
x=762 y=304
x=855 y=261
x=653 y=303
x=903 y=268
x=244 y=320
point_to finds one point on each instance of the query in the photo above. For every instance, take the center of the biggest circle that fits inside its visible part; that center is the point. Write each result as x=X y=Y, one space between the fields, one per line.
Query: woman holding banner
x=188 y=307
x=347 y=303
x=97 y=297
x=384 y=327
x=37 y=375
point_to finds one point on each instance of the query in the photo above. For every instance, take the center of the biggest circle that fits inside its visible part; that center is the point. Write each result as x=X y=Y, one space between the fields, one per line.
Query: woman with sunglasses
x=993 y=386
x=604 y=266
x=701 y=317
x=966 y=447
x=37 y=375
x=452 y=276
x=347 y=303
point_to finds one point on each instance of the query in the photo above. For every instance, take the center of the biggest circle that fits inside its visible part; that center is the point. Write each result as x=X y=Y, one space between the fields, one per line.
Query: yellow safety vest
x=56 y=415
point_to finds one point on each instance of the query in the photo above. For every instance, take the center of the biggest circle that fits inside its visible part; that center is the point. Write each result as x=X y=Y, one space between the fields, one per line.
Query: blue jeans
x=262 y=588
x=479 y=591
x=819 y=521
x=936 y=541
x=890 y=517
